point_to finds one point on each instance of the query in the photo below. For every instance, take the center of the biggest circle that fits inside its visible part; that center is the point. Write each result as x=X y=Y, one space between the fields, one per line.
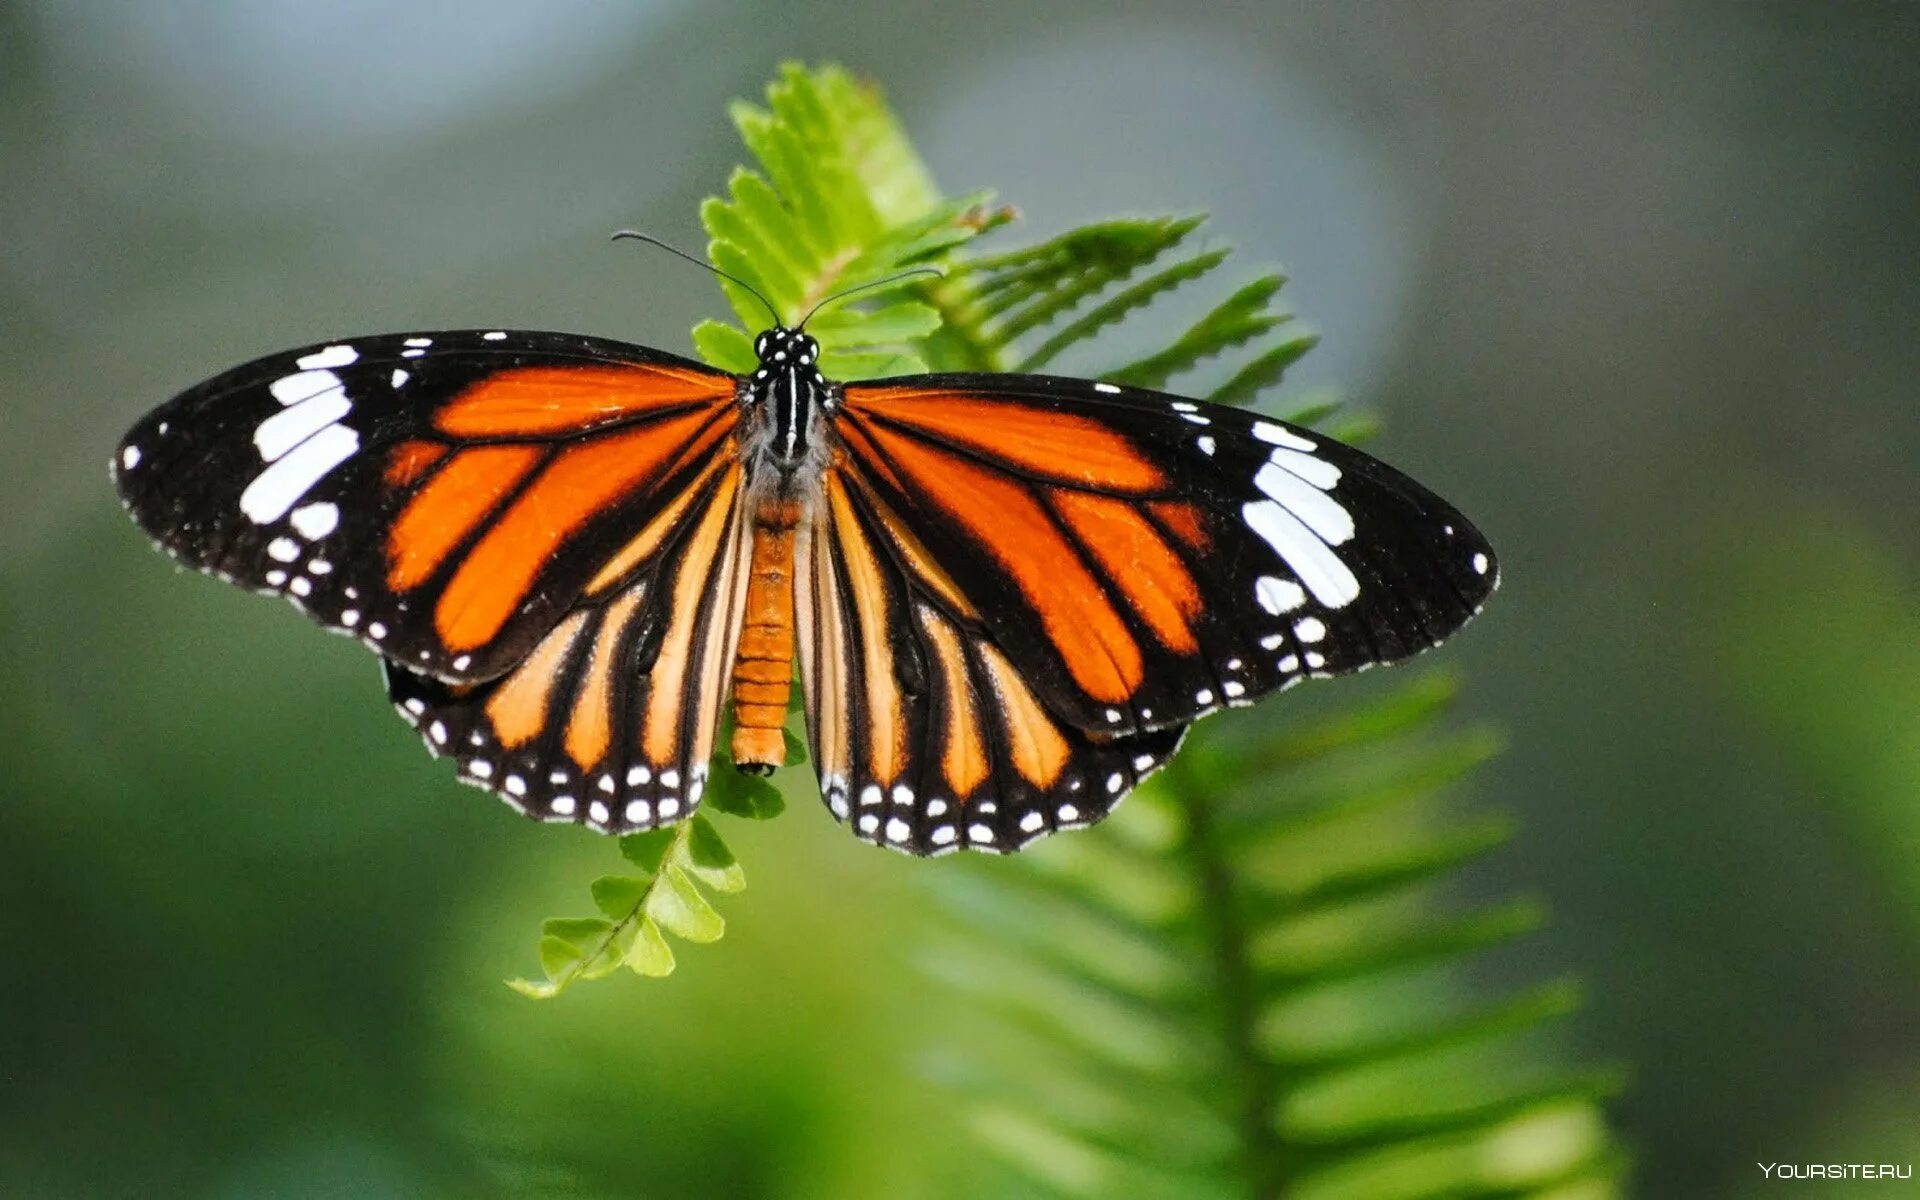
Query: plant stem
x=1223 y=925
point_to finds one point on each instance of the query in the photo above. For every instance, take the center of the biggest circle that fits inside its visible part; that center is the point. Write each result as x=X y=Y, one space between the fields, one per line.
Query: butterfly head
x=781 y=349
x=789 y=393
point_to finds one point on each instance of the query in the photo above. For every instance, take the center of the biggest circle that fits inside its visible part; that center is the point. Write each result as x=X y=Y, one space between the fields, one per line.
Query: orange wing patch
x=866 y=578
x=437 y=519
x=1026 y=437
x=1148 y=573
x=673 y=679
x=1039 y=752
x=964 y=760
x=925 y=568
x=531 y=402
x=1183 y=520
x=574 y=486
x=590 y=728
x=411 y=460
x=518 y=707
x=1081 y=623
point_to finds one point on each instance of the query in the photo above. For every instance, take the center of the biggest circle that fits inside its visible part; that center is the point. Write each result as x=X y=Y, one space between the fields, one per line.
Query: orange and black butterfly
x=1008 y=595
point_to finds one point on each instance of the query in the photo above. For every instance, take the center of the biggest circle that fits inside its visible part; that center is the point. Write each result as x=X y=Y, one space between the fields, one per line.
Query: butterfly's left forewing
x=445 y=497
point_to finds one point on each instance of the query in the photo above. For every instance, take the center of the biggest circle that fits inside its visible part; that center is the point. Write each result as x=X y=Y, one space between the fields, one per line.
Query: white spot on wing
x=290 y=426
x=315 y=521
x=1480 y=564
x=418 y=341
x=280 y=486
x=1277 y=596
x=1316 y=471
x=1309 y=629
x=1275 y=435
x=1108 y=388
x=1329 y=579
x=332 y=356
x=290 y=390
x=399 y=376
x=1032 y=822
x=494 y=335
x=283 y=549
x=130 y=458
x=1205 y=442
x=1321 y=512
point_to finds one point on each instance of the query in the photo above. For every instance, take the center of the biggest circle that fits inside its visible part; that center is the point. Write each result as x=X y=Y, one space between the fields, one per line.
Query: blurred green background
x=1633 y=285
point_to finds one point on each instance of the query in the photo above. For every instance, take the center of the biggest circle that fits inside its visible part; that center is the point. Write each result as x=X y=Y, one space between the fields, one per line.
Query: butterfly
x=1008 y=596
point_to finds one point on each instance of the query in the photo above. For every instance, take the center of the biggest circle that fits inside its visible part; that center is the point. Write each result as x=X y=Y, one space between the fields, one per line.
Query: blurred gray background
x=1634 y=284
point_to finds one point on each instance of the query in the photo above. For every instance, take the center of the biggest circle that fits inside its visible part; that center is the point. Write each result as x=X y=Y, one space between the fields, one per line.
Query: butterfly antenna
x=909 y=273
x=651 y=240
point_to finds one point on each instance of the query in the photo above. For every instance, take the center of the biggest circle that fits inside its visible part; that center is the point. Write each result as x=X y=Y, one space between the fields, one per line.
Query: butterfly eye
x=809 y=349
x=760 y=345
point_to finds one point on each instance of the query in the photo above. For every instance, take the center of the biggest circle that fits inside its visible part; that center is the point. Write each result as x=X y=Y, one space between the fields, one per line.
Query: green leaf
x=796 y=748
x=710 y=860
x=679 y=908
x=618 y=895
x=650 y=955
x=648 y=850
x=724 y=346
x=741 y=795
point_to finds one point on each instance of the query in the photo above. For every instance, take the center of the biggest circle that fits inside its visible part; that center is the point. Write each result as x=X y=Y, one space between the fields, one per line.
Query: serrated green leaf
x=1122 y=302
x=1265 y=370
x=710 y=860
x=1237 y=320
x=678 y=906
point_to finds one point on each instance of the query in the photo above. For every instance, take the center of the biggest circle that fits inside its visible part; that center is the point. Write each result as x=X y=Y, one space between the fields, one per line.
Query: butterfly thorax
x=787 y=400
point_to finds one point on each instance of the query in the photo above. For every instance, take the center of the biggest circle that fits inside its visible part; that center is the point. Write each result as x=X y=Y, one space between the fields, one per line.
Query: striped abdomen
x=763 y=668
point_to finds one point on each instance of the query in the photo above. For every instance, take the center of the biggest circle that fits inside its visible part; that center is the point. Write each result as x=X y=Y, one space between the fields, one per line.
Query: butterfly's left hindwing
x=445 y=497
x=1142 y=559
x=610 y=719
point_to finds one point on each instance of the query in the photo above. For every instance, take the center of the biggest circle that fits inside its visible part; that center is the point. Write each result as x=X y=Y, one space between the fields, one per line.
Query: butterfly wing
x=444 y=497
x=541 y=534
x=925 y=734
x=611 y=718
x=1142 y=559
